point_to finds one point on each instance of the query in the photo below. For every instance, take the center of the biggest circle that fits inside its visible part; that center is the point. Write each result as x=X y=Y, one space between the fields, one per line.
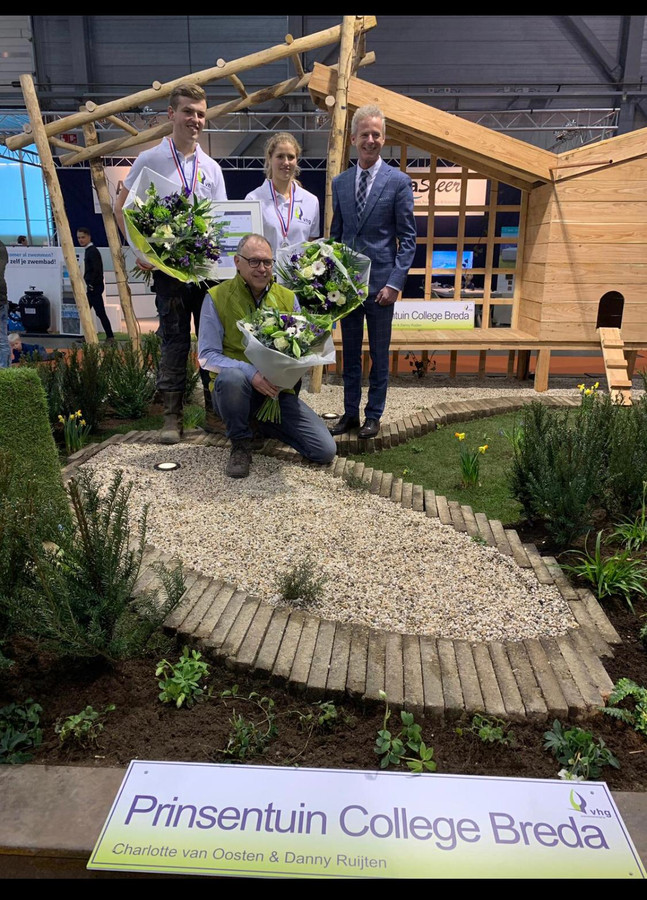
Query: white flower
x=318 y=267
x=327 y=250
x=567 y=775
x=248 y=327
x=336 y=297
x=291 y=330
x=281 y=343
x=308 y=273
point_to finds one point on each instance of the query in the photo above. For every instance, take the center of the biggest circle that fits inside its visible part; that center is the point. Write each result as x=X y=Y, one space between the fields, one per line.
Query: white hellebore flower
x=336 y=297
x=281 y=343
x=567 y=775
x=318 y=267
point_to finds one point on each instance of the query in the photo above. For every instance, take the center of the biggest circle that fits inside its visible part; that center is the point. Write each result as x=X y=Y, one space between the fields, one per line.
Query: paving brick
x=218 y=635
x=518 y=552
x=556 y=704
x=507 y=682
x=452 y=693
x=484 y=529
x=572 y=695
x=456 y=515
x=349 y=468
x=386 y=485
x=338 y=671
x=199 y=609
x=598 y=615
x=394 y=669
x=581 y=675
x=492 y=699
x=357 y=661
x=269 y=648
x=413 y=685
x=195 y=584
x=253 y=638
x=236 y=634
x=305 y=652
x=431 y=676
x=375 y=664
x=417 y=424
x=469 y=679
x=407 y=494
x=339 y=464
x=590 y=629
x=542 y=573
x=212 y=616
x=320 y=666
x=418 y=498
x=529 y=689
x=288 y=648
x=444 y=514
x=500 y=537
x=396 y=490
x=592 y=662
x=564 y=586
x=431 y=507
x=376 y=481
x=408 y=427
x=367 y=476
x=358 y=471
x=470 y=522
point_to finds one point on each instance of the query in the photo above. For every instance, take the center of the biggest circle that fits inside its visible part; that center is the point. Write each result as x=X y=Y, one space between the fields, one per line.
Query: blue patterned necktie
x=362 y=192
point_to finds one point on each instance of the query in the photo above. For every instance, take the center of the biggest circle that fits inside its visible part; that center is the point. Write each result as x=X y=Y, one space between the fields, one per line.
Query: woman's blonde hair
x=281 y=138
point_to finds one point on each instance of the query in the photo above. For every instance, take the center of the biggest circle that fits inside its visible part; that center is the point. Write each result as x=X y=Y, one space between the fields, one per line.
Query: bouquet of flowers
x=172 y=231
x=327 y=276
x=282 y=346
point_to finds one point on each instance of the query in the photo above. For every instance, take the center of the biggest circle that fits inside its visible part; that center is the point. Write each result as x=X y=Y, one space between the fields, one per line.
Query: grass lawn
x=434 y=462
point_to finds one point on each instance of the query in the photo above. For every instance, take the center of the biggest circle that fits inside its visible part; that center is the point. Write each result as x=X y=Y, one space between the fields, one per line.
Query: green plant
x=192 y=376
x=393 y=749
x=300 y=584
x=19 y=731
x=470 y=461
x=76 y=431
x=83 y=728
x=626 y=689
x=194 y=416
x=617 y=575
x=581 y=756
x=492 y=730
x=151 y=347
x=82 y=379
x=420 y=367
x=249 y=737
x=632 y=533
x=324 y=717
x=130 y=382
x=356 y=482
x=181 y=681
x=77 y=595
x=513 y=435
x=479 y=539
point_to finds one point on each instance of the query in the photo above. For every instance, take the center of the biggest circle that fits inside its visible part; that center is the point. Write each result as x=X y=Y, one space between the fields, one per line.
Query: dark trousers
x=95 y=301
x=378 y=324
x=177 y=305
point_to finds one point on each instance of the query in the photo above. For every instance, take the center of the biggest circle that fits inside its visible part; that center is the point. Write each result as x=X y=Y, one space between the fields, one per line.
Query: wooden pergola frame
x=349 y=35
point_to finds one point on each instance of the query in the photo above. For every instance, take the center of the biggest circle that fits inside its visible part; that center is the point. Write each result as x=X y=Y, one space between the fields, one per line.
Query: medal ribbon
x=180 y=167
x=285 y=226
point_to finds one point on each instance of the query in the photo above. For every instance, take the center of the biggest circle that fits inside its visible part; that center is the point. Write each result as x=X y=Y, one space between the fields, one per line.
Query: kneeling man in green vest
x=238 y=388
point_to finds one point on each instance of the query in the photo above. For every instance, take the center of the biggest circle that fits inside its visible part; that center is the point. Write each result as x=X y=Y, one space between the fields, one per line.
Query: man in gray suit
x=373 y=214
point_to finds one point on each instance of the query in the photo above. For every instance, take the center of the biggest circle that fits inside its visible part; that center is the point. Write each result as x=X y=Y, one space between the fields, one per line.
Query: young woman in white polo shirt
x=290 y=213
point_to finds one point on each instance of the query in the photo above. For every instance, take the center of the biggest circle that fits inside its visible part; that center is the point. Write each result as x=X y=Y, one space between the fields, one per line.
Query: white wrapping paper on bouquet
x=284 y=371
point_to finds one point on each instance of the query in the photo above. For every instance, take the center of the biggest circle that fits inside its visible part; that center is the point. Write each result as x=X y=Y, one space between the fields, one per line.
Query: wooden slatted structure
x=582 y=227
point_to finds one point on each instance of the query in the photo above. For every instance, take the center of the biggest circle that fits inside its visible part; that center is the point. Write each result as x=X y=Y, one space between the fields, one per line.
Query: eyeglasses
x=255 y=262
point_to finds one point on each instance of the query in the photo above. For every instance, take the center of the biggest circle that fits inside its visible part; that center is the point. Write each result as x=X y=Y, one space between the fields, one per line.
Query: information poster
x=37 y=269
x=263 y=821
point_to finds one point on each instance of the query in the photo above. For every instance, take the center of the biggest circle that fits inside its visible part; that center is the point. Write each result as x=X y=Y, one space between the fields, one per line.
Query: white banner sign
x=265 y=821
x=39 y=269
x=447 y=189
x=425 y=314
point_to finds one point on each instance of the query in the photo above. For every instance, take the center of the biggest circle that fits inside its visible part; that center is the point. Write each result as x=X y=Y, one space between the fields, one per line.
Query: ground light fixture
x=330 y=415
x=166 y=466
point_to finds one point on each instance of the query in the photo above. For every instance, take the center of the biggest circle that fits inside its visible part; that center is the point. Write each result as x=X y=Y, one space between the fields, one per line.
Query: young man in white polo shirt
x=179 y=158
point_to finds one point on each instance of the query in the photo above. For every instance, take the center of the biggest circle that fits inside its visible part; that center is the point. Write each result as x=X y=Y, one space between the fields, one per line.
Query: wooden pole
x=114 y=243
x=58 y=208
x=243 y=64
x=336 y=142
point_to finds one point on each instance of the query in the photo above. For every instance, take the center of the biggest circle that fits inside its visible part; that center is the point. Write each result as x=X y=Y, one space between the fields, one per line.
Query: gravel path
x=386 y=567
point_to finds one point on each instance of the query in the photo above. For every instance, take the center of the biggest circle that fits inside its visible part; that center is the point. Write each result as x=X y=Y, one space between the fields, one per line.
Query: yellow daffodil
x=78 y=414
x=596 y=385
x=483 y=448
x=61 y=419
x=460 y=435
x=587 y=392
x=581 y=387
x=82 y=422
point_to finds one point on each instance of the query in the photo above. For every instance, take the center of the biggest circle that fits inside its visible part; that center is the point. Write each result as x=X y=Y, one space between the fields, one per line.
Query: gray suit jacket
x=387 y=216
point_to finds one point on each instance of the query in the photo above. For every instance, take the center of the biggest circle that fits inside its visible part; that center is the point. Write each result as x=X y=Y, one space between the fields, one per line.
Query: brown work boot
x=173 y=426
x=239 y=460
x=213 y=424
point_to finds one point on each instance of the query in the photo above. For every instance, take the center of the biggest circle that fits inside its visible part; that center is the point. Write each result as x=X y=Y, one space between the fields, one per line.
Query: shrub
x=130 y=385
x=627 y=690
x=579 y=753
x=300 y=584
x=621 y=575
x=20 y=732
x=181 y=681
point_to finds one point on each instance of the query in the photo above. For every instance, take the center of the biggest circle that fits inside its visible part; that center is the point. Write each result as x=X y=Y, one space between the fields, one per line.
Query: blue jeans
x=236 y=401
x=378 y=324
x=5 y=352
